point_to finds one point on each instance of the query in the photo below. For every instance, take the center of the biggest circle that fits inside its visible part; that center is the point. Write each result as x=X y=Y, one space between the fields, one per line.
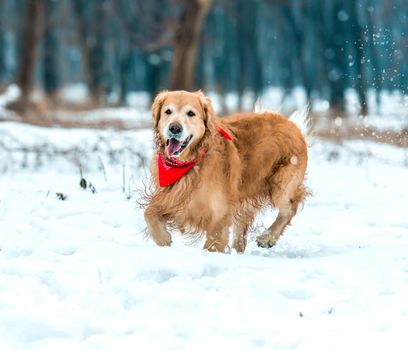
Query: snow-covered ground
x=80 y=274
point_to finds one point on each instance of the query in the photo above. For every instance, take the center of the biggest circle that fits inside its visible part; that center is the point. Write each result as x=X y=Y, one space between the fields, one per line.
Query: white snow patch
x=11 y=94
x=75 y=92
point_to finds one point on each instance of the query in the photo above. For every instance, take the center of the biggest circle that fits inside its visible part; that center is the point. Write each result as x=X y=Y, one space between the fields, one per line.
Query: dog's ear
x=157 y=106
x=209 y=115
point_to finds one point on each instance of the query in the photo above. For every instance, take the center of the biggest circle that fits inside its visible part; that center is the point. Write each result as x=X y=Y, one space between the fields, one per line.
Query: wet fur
x=235 y=179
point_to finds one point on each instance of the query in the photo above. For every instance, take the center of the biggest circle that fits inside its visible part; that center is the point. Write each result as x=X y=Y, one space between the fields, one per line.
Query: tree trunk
x=28 y=50
x=186 y=42
x=50 y=49
x=83 y=30
x=3 y=48
x=92 y=41
x=3 y=68
x=360 y=45
x=335 y=43
x=126 y=61
x=97 y=58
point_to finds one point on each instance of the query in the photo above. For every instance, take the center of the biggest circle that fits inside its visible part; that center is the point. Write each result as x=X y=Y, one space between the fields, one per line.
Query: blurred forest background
x=242 y=47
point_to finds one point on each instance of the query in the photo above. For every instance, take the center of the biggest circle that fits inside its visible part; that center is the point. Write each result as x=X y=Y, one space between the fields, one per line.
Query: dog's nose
x=175 y=128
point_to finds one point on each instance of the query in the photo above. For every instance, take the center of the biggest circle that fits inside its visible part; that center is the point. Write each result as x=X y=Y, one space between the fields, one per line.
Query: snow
x=129 y=117
x=80 y=273
x=135 y=115
x=77 y=92
x=389 y=115
x=11 y=94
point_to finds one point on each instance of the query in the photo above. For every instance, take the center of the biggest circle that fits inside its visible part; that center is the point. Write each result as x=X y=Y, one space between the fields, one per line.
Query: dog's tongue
x=173 y=146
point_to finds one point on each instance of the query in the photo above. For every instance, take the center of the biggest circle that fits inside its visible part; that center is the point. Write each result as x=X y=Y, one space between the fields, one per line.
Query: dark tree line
x=118 y=46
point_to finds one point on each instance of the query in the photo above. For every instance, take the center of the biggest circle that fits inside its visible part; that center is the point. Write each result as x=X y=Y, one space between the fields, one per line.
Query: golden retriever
x=211 y=174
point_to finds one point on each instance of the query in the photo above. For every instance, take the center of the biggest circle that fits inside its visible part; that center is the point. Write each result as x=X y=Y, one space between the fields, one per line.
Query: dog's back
x=266 y=143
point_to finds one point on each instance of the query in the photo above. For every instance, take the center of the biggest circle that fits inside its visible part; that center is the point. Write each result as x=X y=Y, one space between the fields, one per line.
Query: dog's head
x=181 y=121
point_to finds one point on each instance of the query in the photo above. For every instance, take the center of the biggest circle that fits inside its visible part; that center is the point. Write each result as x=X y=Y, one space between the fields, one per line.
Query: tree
x=186 y=42
x=359 y=40
x=148 y=30
x=2 y=45
x=28 y=54
x=50 y=51
x=249 y=61
x=92 y=39
x=335 y=42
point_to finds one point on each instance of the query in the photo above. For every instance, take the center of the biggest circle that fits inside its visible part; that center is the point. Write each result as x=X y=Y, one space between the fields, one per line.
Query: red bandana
x=224 y=133
x=172 y=170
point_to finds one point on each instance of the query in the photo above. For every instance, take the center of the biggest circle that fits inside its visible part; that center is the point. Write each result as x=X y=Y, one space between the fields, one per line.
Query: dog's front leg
x=157 y=228
x=217 y=240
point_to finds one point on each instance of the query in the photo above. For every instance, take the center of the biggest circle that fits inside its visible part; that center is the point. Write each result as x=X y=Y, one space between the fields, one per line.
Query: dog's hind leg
x=271 y=235
x=287 y=199
x=156 y=227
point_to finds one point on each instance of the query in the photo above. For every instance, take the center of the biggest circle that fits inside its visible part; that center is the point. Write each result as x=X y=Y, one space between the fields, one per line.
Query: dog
x=210 y=174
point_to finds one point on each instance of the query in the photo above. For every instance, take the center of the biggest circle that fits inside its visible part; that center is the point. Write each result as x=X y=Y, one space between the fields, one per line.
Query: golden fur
x=264 y=165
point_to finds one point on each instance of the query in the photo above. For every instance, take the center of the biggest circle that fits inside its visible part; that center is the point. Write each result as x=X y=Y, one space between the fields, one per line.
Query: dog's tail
x=301 y=118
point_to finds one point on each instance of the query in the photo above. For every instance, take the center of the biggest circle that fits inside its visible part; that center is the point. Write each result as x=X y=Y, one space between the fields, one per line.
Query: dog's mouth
x=174 y=147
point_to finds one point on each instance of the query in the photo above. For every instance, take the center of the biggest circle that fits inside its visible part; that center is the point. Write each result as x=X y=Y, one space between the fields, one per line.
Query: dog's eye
x=168 y=111
x=190 y=113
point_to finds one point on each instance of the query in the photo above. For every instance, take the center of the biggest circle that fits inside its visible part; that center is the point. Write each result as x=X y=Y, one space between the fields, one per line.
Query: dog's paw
x=164 y=240
x=267 y=240
x=216 y=246
x=239 y=245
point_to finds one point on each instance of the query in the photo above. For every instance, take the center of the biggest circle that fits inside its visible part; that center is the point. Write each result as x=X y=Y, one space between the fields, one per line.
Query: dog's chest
x=206 y=206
